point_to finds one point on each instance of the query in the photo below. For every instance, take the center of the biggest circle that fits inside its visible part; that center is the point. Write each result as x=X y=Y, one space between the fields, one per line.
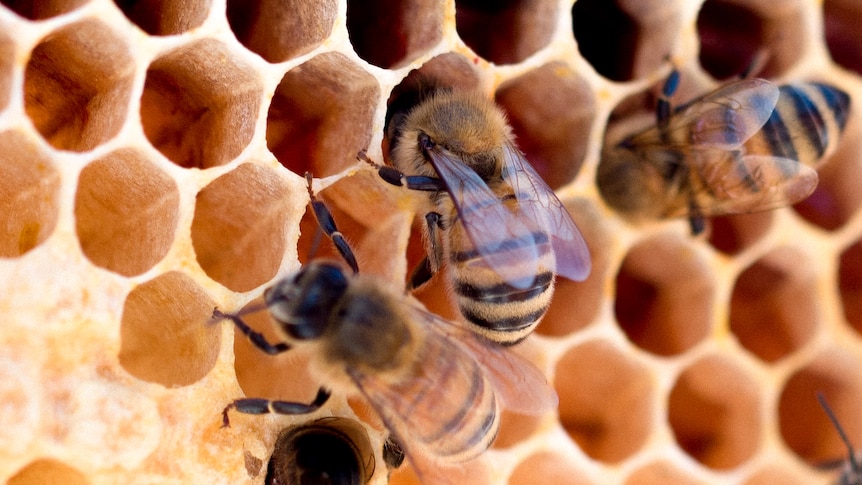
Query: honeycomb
x=151 y=168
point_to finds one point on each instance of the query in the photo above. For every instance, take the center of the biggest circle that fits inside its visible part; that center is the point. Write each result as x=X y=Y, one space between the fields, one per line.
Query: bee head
x=302 y=304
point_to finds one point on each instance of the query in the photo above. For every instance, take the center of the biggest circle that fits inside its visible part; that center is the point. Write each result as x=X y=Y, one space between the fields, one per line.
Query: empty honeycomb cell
x=804 y=425
x=664 y=294
x=850 y=284
x=165 y=17
x=48 y=471
x=29 y=192
x=200 y=104
x=551 y=111
x=733 y=33
x=126 y=212
x=386 y=33
x=320 y=116
x=736 y=233
x=279 y=30
x=841 y=22
x=260 y=375
x=41 y=9
x=7 y=53
x=661 y=473
x=77 y=85
x=625 y=39
x=547 y=467
x=506 y=32
x=606 y=400
x=714 y=412
x=774 y=307
x=241 y=245
x=837 y=196
x=165 y=336
x=576 y=304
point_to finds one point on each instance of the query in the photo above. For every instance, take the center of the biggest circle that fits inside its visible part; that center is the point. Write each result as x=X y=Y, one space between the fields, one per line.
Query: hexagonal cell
x=804 y=425
x=7 y=55
x=506 y=32
x=576 y=304
x=774 y=305
x=776 y=474
x=126 y=212
x=42 y=9
x=279 y=30
x=837 y=197
x=551 y=111
x=850 y=284
x=29 y=195
x=48 y=471
x=626 y=39
x=165 y=334
x=606 y=400
x=841 y=19
x=735 y=233
x=385 y=32
x=165 y=17
x=660 y=473
x=664 y=296
x=714 y=413
x=733 y=33
x=547 y=467
x=241 y=245
x=320 y=115
x=200 y=104
x=77 y=85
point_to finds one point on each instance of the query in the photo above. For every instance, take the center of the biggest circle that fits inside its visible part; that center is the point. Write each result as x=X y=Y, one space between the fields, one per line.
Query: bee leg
x=393 y=455
x=420 y=275
x=395 y=177
x=663 y=108
x=256 y=338
x=327 y=224
x=696 y=221
x=265 y=406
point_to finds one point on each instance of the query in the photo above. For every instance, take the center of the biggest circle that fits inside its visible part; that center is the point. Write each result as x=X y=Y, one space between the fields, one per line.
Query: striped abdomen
x=806 y=123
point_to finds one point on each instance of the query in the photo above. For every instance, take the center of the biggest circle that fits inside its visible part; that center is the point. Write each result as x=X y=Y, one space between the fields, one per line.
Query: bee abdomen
x=806 y=122
x=537 y=239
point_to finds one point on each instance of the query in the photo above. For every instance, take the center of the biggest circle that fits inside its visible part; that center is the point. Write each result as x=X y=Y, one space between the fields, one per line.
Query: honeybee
x=501 y=231
x=437 y=387
x=332 y=450
x=852 y=473
x=747 y=146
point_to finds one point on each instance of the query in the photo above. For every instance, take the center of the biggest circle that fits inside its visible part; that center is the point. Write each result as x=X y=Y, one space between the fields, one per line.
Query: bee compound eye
x=333 y=451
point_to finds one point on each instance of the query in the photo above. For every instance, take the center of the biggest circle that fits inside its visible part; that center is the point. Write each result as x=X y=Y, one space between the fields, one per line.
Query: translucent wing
x=504 y=241
x=722 y=119
x=440 y=411
x=537 y=204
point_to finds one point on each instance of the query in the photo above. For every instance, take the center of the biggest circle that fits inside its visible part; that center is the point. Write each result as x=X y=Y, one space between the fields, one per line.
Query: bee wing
x=491 y=226
x=722 y=119
x=537 y=204
x=422 y=411
x=748 y=183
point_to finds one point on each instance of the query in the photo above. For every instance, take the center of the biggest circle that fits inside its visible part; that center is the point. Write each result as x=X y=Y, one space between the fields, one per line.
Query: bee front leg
x=327 y=224
x=430 y=264
x=256 y=338
x=663 y=107
x=265 y=406
x=395 y=177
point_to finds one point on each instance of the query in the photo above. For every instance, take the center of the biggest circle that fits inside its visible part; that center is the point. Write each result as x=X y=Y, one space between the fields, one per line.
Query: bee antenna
x=852 y=454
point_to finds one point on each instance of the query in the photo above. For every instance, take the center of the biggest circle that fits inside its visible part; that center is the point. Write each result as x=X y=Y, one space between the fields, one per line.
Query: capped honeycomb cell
x=773 y=475
x=187 y=113
x=506 y=32
x=29 y=192
x=548 y=130
x=42 y=9
x=663 y=296
x=241 y=246
x=165 y=17
x=164 y=335
x=126 y=212
x=547 y=467
x=726 y=430
x=386 y=33
x=605 y=399
x=773 y=307
x=47 y=471
x=279 y=30
x=77 y=85
x=320 y=115
x=660 y=473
